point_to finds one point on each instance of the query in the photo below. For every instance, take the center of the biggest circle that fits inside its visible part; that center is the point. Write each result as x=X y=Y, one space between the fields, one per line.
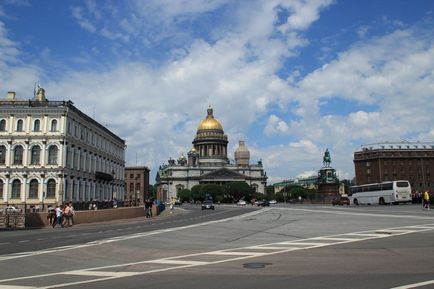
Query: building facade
x=207 y=162
x=136 y=185
x=389 y=161
x=51 y=153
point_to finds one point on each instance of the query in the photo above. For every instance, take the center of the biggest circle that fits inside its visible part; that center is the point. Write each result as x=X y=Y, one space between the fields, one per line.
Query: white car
x=273 y=202
x=241 y=203
x=11 y=209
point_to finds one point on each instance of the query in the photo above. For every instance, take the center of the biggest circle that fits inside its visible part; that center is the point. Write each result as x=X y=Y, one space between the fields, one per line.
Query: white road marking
x=179 y=262
x=360 y=214
x=16 y=287
x=122 y=238
x=415 y=285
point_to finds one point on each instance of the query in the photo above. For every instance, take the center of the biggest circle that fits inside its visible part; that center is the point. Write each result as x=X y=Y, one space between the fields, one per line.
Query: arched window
x=33 y=189
x=52 y=155
x=35 y=158
x=20 y=125
x=51 y=188
x=2 y=154
x=3 y=125
x=16 y=189
x=1 y=189
x=54 y=125
x=37 y=125
x=18 y=155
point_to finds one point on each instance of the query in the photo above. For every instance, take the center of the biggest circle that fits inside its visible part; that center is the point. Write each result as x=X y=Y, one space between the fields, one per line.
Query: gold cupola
x=210 y=141
x=210 y=123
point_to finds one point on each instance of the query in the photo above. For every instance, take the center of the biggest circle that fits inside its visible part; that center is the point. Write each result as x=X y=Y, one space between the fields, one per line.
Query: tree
x=184 y=195
x=237 y=190
x=196 y=193
x=211 y=190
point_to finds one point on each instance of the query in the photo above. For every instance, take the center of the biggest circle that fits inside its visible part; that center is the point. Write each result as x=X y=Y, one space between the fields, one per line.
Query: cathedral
x=207 y=162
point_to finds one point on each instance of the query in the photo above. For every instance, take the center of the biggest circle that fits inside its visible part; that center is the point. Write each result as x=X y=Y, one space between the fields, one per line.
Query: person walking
x=71 y=221
x=51 y=215
x=426 y=200
x=147 y=209
x=59 y=213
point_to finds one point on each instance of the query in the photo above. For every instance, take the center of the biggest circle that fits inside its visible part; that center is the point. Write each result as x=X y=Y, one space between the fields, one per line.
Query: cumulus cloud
x=235 y=67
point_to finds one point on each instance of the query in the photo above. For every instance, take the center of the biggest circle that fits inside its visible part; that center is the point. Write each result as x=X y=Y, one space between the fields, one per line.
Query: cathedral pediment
x=223 y=173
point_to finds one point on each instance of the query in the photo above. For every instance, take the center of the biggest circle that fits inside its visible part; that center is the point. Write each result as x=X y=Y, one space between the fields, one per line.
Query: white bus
x=381 y=193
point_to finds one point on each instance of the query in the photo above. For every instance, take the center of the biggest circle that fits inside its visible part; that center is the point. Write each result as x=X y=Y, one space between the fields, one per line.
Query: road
x=285 y=246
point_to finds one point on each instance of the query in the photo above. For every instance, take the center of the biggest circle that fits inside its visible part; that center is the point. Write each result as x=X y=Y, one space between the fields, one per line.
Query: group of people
x=61 y=215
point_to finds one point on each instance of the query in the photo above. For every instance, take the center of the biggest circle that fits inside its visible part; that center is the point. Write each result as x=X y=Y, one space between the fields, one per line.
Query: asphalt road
x=294 y=246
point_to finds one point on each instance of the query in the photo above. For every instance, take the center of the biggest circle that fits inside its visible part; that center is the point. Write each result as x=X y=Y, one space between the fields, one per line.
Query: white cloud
x=157 y=108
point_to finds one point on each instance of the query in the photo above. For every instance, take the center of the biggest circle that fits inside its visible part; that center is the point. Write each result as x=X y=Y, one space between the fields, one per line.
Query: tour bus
x=381 y=193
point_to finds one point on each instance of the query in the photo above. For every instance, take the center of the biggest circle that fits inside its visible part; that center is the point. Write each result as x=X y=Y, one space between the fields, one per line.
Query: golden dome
x=210 y=123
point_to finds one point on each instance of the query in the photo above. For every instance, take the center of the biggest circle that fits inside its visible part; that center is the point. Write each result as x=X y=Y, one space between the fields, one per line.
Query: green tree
x=184 y=195
x=235 y=191
x=211 y=190
x=196 y=193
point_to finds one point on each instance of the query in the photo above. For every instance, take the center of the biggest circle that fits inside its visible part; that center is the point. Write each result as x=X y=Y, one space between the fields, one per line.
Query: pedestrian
x=59 y=213
x=66 y=215
x=51 y=215
x=147 y=209
x=426 y=200
x=71 y=215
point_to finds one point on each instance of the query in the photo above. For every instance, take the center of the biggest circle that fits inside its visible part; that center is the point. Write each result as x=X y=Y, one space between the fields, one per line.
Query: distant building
x=389 y=161
x=207 y=162
x=136 y=185
x=51 y=153
x=305 y=182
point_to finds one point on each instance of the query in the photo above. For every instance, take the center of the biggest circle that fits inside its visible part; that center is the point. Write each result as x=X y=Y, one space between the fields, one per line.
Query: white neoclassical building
x=207 y=162
x=51 y=153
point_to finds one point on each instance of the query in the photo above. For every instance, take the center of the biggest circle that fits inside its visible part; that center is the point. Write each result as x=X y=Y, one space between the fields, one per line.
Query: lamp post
x=113 y=183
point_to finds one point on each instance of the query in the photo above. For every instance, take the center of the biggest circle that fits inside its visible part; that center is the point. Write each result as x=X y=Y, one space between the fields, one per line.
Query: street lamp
x=113 y=183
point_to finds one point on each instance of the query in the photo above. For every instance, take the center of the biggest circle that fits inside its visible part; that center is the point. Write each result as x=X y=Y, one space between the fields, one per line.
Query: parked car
x=11 y=209
x=263 y=203
x=241 y=203
x=178 y=202
x=207 y=205
x=273 y=202
x=339 y=200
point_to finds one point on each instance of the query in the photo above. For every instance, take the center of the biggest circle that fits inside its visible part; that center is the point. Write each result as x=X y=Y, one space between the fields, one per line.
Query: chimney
x=11 y=95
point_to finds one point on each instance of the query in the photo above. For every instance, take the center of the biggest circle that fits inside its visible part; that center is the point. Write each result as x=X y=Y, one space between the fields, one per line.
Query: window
x=18 y=155
x=1 y=189
x=2 y=155
x=52 y=155
x=53 y=125
x=20 y=125
x=3 y=125
x=51 y=188
x=33 y=189
x=37 y=125
x=16 y=189
x=35 y=157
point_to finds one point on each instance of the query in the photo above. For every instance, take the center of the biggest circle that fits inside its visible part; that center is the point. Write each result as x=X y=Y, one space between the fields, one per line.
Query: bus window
x=402 y=184
x=387 y=186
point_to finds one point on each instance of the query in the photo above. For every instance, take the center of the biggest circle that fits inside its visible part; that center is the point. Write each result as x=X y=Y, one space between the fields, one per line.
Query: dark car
x=339 y=200
x=207 y=205
x=263 y=203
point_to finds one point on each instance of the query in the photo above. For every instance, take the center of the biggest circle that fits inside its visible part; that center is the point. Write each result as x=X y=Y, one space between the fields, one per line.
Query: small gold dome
x=210 y=123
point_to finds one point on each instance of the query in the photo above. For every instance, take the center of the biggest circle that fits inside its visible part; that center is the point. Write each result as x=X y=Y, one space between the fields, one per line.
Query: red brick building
x=136 y=185
x=412 y=161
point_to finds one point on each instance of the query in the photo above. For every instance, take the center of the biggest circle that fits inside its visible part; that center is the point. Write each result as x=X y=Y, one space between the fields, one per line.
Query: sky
x=290 y=77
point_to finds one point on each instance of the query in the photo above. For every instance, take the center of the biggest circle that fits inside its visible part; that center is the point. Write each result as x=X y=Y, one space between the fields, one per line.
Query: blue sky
x=291 y=78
